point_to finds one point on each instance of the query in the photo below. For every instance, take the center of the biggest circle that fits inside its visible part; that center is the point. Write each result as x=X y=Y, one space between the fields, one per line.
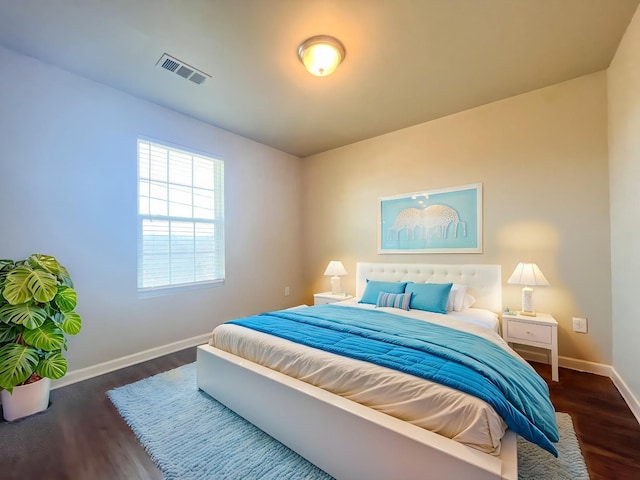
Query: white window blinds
x=181 y=217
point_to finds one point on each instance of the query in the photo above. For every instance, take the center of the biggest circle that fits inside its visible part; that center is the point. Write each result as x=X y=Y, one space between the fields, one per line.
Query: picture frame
x=446 y=220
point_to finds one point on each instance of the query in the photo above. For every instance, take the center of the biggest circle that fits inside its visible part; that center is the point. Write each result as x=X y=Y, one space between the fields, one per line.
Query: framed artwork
x=447 y=220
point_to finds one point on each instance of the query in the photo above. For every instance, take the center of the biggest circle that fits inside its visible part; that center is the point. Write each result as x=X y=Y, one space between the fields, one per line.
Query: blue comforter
x=441 y=354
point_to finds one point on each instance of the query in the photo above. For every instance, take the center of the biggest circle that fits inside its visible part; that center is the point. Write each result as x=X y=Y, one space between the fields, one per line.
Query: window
x=180 y=217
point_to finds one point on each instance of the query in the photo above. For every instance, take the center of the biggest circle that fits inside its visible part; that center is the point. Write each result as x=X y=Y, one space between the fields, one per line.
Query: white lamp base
x=336 y=289
x=527 y=302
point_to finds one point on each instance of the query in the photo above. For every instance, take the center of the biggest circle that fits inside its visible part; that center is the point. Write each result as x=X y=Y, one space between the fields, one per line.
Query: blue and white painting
x=437 y=221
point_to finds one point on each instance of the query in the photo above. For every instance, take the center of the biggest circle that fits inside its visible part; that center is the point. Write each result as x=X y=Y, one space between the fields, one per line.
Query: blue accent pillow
x=395 y=300
x=374 y=288
x=431 y=297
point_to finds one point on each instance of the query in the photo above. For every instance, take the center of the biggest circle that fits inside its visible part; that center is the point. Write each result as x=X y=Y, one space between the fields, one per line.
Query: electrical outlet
x=579 y=325
x=286 y=291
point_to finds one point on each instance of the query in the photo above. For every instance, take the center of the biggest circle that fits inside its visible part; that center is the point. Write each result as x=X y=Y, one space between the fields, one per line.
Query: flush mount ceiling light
x=321 y=54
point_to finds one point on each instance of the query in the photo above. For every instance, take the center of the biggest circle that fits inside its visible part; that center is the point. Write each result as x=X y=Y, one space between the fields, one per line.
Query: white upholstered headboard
x=484 y=282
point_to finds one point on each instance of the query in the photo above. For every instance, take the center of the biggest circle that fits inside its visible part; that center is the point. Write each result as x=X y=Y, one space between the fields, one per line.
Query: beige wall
x=624 y=171
x=542 y=159
x=68 y=188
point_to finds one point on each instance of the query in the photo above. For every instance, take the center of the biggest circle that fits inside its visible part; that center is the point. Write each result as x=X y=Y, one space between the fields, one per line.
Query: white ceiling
x=408 y=61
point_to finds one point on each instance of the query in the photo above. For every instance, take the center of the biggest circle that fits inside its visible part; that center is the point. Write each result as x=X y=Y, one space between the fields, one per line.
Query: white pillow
x=456 y=297
x=467 y=301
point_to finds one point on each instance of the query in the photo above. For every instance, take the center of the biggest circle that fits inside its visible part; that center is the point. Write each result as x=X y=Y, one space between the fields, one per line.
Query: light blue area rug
x=190 y=436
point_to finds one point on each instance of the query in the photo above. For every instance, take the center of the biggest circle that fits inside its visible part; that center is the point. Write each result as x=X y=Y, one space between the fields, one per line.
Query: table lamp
x=336 y=270
x=529 y=275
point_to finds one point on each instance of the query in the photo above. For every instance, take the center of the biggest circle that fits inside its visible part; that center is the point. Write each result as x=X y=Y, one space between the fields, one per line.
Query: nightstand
x=540 y=331
x=328 y=297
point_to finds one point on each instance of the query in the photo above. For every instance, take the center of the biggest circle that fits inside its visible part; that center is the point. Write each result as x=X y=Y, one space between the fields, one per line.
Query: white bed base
x=343 y=438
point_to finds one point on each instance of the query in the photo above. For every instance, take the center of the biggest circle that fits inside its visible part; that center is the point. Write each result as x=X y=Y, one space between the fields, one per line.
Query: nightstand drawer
x=529 y=332
x=322 y=300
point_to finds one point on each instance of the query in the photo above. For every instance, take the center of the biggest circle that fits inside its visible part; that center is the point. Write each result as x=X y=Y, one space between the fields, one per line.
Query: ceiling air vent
x=180 y=68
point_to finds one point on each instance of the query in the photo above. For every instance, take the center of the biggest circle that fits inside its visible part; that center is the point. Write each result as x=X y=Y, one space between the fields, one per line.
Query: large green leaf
x=48 y=337
x=23 y=283
x=51 y=265
x=43 y=285
x=72 y=323
x=8 y=333
x=31 y=316
x=54 y=366
x=17 y=363
x=66 y=299
x=44 y=262
x=16 y=288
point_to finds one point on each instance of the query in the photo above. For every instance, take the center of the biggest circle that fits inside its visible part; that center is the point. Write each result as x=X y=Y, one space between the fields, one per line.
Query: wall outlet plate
x=579 y=325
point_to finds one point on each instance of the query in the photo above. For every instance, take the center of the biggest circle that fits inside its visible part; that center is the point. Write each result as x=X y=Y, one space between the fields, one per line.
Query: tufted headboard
x=484 y=282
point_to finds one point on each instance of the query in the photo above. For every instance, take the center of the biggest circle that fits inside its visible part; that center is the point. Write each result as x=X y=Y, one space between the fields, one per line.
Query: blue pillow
x=431 y=297
x=395 y=300
x=374 y=288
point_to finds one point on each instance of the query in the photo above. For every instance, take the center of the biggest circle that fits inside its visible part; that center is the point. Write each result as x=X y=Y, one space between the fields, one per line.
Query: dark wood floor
x=608 y=432
x=82 y=436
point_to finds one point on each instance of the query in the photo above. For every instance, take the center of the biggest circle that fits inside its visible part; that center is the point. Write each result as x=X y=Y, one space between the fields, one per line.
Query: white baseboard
x=585 y=366
x=627 y=394
x=122 y=362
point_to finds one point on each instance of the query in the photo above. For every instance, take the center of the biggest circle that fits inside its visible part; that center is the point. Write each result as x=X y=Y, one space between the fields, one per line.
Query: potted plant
x=37 y=311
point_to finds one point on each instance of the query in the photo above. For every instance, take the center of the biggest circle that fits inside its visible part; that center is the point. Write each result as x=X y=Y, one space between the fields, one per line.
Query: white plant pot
x=26 y=399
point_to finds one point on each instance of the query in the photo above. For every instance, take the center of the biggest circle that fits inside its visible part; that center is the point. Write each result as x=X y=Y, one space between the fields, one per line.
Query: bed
x=346 y=433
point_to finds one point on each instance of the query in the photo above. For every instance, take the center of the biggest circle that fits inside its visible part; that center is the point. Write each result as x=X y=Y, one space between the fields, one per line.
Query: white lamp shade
x=335 y=269
x=528 y=274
